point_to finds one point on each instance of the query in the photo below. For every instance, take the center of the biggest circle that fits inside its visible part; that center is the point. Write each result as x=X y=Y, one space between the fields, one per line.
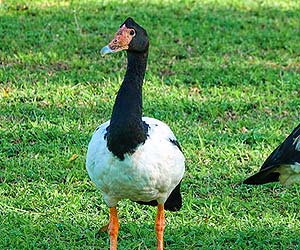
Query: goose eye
x=132 y=32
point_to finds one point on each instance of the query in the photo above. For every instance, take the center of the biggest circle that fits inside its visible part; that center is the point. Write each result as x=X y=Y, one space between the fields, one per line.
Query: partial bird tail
x=173 y=203
x=263 y=176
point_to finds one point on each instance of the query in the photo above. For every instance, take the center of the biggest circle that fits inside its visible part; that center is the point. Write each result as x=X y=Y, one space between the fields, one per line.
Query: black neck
x=126 y=129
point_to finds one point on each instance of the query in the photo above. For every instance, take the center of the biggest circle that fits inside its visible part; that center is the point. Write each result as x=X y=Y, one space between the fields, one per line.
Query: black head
x=130 y=36
x=139 y=42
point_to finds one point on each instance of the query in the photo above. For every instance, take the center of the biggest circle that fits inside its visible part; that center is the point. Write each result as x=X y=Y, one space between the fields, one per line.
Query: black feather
x=285 y=154
x=176 y=143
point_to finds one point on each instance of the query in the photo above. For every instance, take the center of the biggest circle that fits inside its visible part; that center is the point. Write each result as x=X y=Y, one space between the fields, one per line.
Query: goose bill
x=106 y=50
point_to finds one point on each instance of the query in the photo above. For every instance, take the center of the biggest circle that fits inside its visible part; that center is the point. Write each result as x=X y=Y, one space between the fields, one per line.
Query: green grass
x=223 y=74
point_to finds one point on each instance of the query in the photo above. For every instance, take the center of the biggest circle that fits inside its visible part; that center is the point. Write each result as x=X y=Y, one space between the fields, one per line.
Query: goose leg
x=113 y=228
x=160 y=226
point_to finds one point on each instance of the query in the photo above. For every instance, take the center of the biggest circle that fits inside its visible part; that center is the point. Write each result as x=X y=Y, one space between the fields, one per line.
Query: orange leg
x=113 y=228
x=160 y=226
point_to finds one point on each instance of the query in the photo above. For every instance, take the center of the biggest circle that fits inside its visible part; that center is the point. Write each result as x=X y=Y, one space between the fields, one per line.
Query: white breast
x=150 y=173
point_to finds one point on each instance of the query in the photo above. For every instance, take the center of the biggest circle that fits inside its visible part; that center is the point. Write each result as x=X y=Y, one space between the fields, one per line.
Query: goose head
x=130 y=36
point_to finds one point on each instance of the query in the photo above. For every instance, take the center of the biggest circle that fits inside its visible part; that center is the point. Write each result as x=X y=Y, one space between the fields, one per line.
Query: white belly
x=150 y=173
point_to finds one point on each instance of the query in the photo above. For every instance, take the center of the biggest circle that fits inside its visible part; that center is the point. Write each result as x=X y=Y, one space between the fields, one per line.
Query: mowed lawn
x=224 y=75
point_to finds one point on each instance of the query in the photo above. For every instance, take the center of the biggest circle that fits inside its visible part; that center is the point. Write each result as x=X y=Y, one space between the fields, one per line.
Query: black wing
x=286 y=153
x=173 y=203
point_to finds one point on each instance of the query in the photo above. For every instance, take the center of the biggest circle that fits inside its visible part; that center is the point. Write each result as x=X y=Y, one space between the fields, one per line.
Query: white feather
x=150 y=173
x=297 y=142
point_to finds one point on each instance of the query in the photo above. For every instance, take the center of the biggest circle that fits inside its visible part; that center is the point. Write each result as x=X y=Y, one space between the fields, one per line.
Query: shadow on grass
x=142 y=236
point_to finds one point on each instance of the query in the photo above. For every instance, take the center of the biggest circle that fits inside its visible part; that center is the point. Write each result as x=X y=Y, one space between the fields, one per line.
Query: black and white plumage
x=149 y=172
x=282 y=165
x=130 y=156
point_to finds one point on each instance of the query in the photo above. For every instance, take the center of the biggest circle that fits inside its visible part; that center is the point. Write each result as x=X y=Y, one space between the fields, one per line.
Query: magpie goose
x=282 y=165
x=130 y=156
